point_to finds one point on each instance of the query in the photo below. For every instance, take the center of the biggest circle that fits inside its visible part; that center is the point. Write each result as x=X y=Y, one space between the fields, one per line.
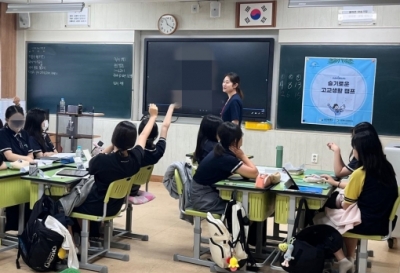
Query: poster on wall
x=338 y=91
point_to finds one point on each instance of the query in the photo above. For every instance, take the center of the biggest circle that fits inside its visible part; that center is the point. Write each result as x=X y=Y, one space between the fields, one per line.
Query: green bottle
x=279 y=156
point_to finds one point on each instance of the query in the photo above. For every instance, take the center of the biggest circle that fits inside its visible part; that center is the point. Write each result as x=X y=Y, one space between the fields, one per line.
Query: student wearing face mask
x=36 y=126
x=14 y=140
x=14 y=144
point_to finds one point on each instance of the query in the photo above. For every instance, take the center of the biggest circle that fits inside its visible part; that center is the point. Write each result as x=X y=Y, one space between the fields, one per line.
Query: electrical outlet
x=314 y=158
x=195 y=8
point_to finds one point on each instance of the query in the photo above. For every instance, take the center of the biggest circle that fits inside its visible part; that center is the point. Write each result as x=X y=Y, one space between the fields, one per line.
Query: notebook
x=291 y=185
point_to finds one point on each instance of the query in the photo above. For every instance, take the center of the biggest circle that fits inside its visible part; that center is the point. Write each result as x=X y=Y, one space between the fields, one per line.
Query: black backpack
x=312 y=245
x=37 y=245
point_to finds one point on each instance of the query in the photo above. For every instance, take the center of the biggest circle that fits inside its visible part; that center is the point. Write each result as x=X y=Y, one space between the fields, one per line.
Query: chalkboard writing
x=387 y=84
x=99 y=76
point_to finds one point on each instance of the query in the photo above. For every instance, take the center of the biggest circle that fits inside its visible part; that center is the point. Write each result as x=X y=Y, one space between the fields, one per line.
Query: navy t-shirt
x=152 y=156
x=233 y=109
x=206 y=148
x=17 y=143
x=37 y=148
x=213 y=168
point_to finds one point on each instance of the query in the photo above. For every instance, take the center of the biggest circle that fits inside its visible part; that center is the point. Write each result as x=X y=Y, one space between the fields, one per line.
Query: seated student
x=373 y=187
x=36 y=125
x=339 y=167
x=226 y=159
x=14 y=144
x=121 y=160
x=206 y=137
x=152 y=153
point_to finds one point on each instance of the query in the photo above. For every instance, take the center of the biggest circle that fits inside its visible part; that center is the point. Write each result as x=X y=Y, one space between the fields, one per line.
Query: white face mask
x=45 y=126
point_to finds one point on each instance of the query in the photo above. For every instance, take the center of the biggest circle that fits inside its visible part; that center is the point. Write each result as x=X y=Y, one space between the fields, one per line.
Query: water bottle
x=78 y=152
x=62 y=106
x=279 y=156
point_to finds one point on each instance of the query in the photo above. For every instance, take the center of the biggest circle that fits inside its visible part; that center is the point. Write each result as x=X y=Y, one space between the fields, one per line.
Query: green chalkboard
x=97 y=75
x=387 y=84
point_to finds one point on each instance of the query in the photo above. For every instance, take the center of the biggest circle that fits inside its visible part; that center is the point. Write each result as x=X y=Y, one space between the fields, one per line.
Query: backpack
x=37 y=245
x=308 y=249
x=228 y=241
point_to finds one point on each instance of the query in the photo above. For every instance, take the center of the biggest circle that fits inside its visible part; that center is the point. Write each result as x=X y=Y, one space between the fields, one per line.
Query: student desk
x=59 y=185
x=258 y=203
x=190 y=155
x=14 y=191
x=286 y=202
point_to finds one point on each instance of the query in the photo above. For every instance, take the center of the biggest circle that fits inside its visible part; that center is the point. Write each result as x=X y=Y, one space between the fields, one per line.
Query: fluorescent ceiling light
x=339 y=3
x=40 y=8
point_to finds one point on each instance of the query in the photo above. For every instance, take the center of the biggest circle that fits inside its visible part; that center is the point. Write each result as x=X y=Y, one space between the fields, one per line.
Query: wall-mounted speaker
x=24 y=20
x=215 y=9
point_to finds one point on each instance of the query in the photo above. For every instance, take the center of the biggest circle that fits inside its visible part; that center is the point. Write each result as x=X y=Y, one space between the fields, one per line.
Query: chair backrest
x=394 y=211
x=143 y=175
x=179 y=183
x=118 y=189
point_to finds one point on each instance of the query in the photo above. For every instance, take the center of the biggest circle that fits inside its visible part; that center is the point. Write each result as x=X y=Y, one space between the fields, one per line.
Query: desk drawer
x=282 y=207
x=261 y=204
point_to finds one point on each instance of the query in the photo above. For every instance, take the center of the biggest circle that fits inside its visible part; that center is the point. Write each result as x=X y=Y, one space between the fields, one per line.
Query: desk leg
x=291 y=216
x=40 y=190
x=21 y=219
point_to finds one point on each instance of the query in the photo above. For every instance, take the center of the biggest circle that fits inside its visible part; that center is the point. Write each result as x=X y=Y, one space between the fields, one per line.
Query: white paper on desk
x=289 y=166
x=61 y=155
x=42 y=162
x=24 y=169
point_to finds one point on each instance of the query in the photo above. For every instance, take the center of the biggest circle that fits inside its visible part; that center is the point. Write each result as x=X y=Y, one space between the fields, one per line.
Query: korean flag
x=256 y=14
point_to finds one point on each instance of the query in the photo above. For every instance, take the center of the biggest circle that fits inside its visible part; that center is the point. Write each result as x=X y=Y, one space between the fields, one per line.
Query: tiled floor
x=168 y=235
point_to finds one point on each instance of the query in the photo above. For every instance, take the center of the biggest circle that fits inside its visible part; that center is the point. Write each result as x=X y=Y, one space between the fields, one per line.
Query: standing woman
x=36 y=125
x=14 y=144
x=233 y=109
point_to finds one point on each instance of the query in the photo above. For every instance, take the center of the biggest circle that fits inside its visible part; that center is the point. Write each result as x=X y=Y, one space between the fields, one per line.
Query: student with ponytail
x=226 y=159
x=233 y=109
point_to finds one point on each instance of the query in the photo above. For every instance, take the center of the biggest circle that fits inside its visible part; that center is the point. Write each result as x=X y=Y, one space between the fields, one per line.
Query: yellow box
x=262 y=126
x=261 y=204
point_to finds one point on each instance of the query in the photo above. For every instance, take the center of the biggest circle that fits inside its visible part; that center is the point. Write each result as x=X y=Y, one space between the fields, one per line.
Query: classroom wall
x=132 y=22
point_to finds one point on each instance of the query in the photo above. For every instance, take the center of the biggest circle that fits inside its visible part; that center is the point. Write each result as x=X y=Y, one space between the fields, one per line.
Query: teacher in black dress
x=233 y=108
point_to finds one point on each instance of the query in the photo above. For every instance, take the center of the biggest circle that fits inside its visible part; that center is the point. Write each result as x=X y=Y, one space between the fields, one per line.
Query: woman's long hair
x=207 y=132
x=33 y=125
x=371 y=157
x=235 y=79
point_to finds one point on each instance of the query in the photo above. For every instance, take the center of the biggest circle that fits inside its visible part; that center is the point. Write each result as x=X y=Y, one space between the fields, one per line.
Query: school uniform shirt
x=37 y=148
x=375 y=201
x=353 y=164
x=206 y=148
x=233 y=109
x=17 y=143
x=106 y=169
x=151 y=157
x=216 y=168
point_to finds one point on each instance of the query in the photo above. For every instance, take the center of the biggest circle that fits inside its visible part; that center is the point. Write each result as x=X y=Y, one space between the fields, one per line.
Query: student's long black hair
x=362 y=127
x=153 y=134
x=235 y=79
x=33 y=125
x=207 y=131
x=13 y=109
x=229 y=134
x=1 y=124
x=371 y=157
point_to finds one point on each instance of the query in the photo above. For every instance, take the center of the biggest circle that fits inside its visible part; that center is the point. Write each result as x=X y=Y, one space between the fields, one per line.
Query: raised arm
x=167 y=121
x=153 y=111
x=248 y=169
x=338 y=165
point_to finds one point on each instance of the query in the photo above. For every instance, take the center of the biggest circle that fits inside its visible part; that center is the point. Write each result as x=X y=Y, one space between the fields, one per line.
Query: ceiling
x=106 y=1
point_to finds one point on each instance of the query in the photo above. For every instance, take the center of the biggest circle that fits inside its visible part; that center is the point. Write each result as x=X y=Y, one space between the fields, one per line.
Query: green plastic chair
x=198 y=250
x=117 y=190
x=362 y=252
